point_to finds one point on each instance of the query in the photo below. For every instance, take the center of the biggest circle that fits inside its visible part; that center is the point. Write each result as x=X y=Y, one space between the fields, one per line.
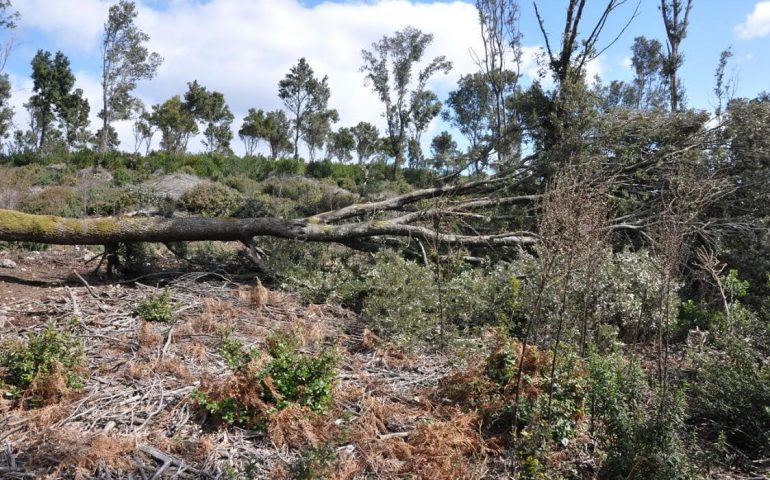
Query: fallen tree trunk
x=17 y=226
x=360 y=226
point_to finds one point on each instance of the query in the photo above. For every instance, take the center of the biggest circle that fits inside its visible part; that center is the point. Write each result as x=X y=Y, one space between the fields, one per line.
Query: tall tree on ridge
x=210 y=109
x=54 y=99
x=303 y=95
x=367 y=139
x=389 y=68
x=125 y=61
x=676 y=19
x=500 y=69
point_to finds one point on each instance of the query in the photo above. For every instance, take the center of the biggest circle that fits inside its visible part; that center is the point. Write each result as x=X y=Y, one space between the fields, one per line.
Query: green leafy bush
x=640 y=430
x=211 y=200
x=299 y=377
x=23 y=363
x=311 y=196
x=401 y=299
x=730 y=396
x=233 y=350
x=264 y=382
x=60 y=201
x=314 y=463
x=156 y=308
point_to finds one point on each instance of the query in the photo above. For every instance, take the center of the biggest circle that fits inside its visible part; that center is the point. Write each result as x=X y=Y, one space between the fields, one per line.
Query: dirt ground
x=136 y=418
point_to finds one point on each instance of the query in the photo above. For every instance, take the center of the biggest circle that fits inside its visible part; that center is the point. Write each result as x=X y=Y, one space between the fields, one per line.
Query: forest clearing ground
x=135 y=415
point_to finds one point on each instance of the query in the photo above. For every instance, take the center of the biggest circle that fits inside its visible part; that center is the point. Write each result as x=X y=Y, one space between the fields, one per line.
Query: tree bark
x=17 y=226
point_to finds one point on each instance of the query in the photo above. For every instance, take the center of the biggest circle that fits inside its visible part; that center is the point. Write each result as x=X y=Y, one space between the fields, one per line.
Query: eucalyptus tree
x=341 y=144
x=305 y=97
x=212 y=111
x=271 y=127
x=676 y=19
x=472 y=110
x=318 y=129
x=143 y=131
x=444 y=149
x=251 y=130
x=6 y=112
x=500 y=65
x=176 y=124
x=426 y=107
x=125 y=61
x=367 y=140
x=276 y=133
x=649 y=82
x=8 y=18
x=392 y=70
x=55 y=100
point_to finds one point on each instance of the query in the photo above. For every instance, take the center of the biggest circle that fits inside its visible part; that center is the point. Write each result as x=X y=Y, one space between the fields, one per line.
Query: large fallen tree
x=362 y=225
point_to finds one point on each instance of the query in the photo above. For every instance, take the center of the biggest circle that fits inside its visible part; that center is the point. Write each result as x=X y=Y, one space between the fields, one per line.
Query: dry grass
x=297 y=427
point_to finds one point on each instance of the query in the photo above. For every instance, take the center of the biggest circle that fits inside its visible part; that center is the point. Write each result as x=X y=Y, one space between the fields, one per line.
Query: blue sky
x=244 y=47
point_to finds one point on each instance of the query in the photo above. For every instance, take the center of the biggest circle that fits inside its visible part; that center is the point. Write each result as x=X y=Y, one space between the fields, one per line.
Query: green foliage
x=156 y=308
x=270 y=381
x=229 y=410
x=126 y=60
x=211 y=200
x=314 y=464
x=233 y=350
x=176 y=124
x=210 y=109
x=300 y=378
x=60 y=201
x=401 y=299
x=735 y=288
x=311 y=196
x=730 y=396
x=23 y=363
x=640 y=431
x=699 y=315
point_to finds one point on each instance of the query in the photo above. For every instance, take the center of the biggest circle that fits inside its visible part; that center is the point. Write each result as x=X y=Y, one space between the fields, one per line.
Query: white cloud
x=626 y=63
x=757 y=23
x=76 y=24
x=243 y=48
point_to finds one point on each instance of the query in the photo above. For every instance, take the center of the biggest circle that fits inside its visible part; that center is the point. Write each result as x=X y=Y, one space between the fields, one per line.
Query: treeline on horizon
x=497 y=116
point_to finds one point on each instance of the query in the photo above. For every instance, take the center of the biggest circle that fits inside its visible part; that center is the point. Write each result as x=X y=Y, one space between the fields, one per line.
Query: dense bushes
x=211 y=200
x=61 y=201
x=730 y=398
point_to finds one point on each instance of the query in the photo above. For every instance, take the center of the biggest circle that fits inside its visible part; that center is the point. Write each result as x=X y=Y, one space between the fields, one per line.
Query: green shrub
x=60 y=201
x=640 y=431
x=156 y=308
x=24 y=363
x=300 y=378
x=730 y=396
x=314 y=464
x=242 y=183
x=547 y=417
x=211 y=200
x=267 y=381
x=401 y=299
x=262 y=205
x=420 y=177
x=311 y=196
x=288 y=166
x=233 y=350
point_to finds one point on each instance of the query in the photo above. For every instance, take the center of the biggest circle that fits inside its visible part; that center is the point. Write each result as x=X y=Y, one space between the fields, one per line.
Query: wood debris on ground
x=135 y=417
